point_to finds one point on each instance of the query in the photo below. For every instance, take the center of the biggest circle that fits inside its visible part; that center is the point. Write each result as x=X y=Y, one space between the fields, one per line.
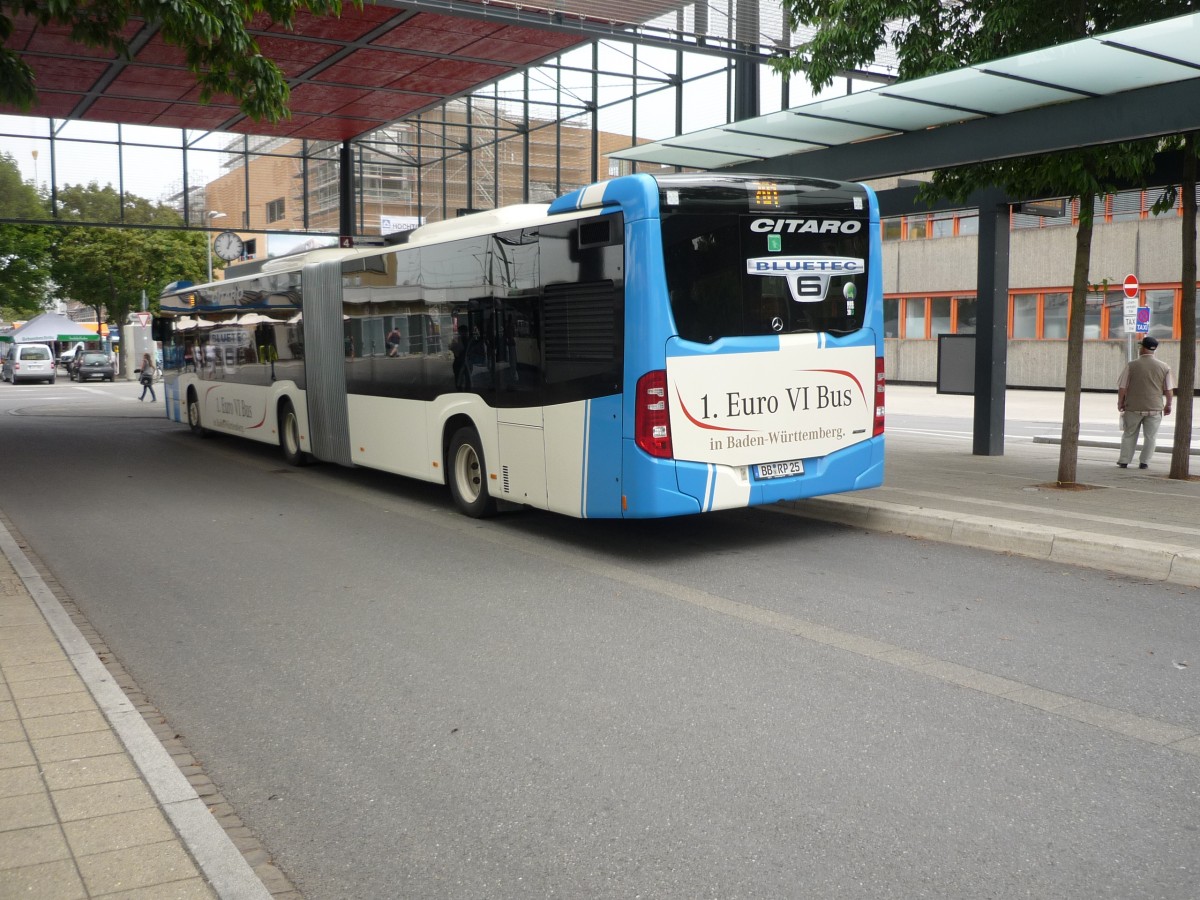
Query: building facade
x=929 y=264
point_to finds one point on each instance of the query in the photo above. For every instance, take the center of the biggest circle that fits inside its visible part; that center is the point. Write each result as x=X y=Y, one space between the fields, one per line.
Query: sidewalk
x=91 y=804
x=1128 y=521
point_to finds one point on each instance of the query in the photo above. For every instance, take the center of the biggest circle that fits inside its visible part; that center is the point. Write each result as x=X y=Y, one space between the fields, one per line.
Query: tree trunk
x=1186 y=377
x=1068 y=454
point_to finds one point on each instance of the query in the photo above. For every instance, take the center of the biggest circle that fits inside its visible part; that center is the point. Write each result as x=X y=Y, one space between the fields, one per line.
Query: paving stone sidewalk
x=92 y=804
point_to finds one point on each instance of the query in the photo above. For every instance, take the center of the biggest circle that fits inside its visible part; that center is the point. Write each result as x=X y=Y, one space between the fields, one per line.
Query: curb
x=1144 y=559
x=1108 y=444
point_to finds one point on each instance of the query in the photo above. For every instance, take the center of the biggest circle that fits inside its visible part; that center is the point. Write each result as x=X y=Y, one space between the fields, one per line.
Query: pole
x=208 y=220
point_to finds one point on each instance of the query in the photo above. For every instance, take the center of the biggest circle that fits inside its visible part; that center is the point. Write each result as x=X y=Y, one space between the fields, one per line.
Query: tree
x=932 y=36
x=24 y=249
x=93 y=203
x=1186 y=383
x=108 y=268
x=218 y=47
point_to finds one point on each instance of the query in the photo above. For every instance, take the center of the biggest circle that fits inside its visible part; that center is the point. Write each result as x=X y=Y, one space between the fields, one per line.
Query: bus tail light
x=652 y=418
x=879 y=405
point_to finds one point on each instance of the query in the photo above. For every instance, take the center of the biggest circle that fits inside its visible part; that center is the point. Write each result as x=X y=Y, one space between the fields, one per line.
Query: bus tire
x=193 y=414
x=468 y=474
x=289 y=435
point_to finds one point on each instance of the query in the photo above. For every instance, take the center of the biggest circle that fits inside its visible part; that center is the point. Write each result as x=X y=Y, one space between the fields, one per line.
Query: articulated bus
x=642 y=347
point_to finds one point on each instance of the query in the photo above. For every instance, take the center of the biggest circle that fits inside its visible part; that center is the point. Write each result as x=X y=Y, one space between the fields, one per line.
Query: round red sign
x=1131 y=286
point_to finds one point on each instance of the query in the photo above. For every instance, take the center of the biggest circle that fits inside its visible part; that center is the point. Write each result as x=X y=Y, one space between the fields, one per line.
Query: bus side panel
x=649 y=486
x=521 y=443
x=246 y=410
x=173 y=394
x=602 y=464
x=648 y=323
x=583 y=465
x=566 y=437
x=388 y=434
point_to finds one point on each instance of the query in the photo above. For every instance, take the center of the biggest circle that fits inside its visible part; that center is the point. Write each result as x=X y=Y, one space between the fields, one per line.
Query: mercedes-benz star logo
x=777 y=324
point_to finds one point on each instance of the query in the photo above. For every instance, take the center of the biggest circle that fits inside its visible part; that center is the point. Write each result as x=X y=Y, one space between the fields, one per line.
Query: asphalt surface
x=483 y=711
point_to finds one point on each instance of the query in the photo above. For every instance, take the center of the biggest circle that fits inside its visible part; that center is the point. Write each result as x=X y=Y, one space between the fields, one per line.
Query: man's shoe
x=1122 y=465
x=1143 y=465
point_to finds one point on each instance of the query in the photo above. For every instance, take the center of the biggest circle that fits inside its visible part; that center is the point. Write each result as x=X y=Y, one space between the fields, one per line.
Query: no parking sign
x=1133 y=314
x=1143 y=320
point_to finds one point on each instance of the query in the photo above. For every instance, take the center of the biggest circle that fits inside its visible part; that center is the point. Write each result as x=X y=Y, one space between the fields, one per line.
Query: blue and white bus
x=642 y=347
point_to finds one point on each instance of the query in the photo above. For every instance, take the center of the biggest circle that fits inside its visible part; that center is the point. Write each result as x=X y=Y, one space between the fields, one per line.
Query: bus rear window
x=733 y=276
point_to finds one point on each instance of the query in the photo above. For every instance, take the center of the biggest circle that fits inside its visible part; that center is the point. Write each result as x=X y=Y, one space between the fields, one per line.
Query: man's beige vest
x=1144 y=387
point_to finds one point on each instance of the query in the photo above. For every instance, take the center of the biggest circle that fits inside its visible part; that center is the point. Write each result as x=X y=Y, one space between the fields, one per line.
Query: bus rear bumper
x=701 y=487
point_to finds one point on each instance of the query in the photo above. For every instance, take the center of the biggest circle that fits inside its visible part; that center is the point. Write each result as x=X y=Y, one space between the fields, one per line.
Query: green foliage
x=24 y=270
x=18 y=200
x=24 y=249
x=92 y=203
x=109 y=268
x=932 y=36
x=213 y=34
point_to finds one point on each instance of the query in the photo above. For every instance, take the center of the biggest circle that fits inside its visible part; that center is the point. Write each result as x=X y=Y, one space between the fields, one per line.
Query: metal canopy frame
x=1133 y=83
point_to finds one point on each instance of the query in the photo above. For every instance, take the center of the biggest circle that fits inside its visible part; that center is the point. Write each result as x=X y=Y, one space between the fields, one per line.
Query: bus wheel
x=289 y=435
x=193 y=414
x=468 y=475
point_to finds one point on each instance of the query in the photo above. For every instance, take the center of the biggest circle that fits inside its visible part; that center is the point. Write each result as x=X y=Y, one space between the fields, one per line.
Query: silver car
x=28 y=362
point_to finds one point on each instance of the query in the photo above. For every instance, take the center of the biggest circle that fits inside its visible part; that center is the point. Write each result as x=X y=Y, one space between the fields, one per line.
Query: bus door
x=513 y=387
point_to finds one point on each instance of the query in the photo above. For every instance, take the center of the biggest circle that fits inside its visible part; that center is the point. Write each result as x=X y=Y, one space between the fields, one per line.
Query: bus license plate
x=781 y=469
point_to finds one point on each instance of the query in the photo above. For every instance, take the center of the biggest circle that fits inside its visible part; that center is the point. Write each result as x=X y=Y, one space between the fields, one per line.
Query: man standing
x=1141 y=390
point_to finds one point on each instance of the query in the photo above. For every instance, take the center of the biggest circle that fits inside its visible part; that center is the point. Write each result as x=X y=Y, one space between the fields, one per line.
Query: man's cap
x=1150 y=343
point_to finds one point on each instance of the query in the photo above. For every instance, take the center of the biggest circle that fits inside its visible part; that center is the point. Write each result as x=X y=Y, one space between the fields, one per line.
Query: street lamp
x=212 y=214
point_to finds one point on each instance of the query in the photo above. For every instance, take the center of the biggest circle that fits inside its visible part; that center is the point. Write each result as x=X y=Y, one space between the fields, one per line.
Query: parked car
x=76 y=356
x=64 y=358
x=92 y=364
x=28 y=362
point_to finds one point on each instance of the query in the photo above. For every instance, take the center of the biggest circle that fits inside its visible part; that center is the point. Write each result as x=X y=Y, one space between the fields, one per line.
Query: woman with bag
x=147 y=378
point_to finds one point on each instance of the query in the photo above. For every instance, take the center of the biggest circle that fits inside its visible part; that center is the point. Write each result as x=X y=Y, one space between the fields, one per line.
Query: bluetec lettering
x=784 y=265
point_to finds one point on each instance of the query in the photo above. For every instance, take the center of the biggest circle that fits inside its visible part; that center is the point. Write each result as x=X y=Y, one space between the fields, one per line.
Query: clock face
x=228 y=246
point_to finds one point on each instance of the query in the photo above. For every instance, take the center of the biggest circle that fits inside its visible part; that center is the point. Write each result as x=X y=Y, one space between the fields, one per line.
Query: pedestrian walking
x=1144 y=393
x=146 y=377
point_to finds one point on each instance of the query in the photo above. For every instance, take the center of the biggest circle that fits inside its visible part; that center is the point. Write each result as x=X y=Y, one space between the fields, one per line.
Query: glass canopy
x=1098 y=66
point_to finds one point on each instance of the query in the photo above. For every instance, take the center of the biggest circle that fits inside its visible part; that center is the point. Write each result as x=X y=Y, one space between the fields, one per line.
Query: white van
x=65 y=358
x=28 y=362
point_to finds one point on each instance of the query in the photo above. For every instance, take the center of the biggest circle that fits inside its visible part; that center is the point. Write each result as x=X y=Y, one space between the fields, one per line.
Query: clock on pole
x=228 y=246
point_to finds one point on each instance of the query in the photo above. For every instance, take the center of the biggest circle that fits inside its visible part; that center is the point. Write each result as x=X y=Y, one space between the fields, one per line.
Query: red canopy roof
x=348 y=75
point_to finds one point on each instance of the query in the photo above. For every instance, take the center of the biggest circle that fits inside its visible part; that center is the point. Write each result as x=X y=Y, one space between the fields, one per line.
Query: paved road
x=406 y=703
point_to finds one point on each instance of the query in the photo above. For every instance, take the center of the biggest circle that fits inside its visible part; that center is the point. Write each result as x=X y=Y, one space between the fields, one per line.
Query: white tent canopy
x=50 y=327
